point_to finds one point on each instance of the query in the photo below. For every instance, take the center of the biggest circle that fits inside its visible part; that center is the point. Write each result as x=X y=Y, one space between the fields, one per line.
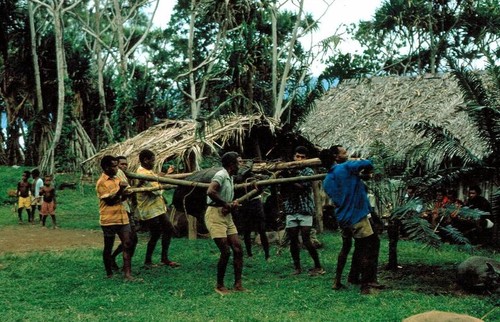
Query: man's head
x=147 y=159
x=230 y=162
x=109 y=165
x=35 y=173
x=326 y=157
x=474 y=191
x=339 y=153
x=300 y=153
x=411 y=191
x=439 y=194
x=122 y=163
x=26 y=175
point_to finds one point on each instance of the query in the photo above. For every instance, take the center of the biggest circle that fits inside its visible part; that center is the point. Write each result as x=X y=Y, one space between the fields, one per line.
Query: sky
x=339 y=12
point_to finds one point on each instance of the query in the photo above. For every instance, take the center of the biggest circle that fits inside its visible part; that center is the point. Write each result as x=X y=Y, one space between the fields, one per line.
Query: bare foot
x=337 y=285
x=239 y=288
x=222 y=290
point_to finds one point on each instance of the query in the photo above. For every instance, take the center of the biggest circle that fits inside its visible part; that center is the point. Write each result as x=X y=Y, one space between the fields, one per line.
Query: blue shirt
x=347 y=191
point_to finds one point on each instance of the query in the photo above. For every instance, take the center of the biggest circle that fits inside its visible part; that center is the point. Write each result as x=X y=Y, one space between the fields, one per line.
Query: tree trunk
x=108 y=130
x=48 y=164
x=34 y=54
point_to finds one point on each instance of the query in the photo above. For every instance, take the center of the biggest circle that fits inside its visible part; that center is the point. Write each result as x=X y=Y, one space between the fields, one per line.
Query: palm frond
x=457 y=237
x=481 y=106
x=421 y=230
x=471 y=86
x=463 y=212
x=444 y=146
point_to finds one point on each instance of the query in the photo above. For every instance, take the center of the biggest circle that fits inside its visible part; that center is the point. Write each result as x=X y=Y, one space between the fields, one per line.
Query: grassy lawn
x=70 y=285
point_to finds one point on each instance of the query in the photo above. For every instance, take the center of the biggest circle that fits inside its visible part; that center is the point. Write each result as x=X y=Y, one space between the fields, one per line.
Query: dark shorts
x=157 y=224
x=251 y=214
x=112 y=230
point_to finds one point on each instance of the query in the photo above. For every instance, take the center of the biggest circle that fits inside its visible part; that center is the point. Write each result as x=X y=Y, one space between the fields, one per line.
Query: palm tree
x=450 y=159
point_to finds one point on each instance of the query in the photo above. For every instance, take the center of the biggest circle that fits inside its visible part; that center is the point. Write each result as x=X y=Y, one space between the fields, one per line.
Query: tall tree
x=57 y=11
x=14 y=77
x=420 y=36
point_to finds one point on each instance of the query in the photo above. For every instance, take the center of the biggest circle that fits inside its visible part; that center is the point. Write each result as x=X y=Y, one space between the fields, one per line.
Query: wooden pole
x=318 y=203
x=180 y=182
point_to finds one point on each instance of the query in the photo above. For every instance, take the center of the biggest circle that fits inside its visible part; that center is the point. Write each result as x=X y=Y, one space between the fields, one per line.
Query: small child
x=48 y=192
x=24 y=195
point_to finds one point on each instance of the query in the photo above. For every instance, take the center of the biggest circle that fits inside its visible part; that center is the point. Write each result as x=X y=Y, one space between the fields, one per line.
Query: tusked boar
x=479 y=274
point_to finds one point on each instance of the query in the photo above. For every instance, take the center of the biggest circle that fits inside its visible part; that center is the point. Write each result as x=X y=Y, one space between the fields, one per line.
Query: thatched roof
x=177 y=139
x=357 y=114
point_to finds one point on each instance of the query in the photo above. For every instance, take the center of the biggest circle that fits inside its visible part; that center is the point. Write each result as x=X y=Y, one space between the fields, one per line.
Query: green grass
x=69 y=285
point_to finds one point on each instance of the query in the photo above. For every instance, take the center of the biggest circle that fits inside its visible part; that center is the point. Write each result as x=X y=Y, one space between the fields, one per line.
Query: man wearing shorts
x=153 y=213
x=348 y=193
x=112 y=215
x=298 y=206
x=219 y=222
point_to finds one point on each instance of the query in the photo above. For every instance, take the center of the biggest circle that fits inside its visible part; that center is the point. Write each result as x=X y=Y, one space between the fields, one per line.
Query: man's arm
x=213 y=193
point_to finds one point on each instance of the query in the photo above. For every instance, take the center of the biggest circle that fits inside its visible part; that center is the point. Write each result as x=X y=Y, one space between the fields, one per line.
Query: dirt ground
x=27 y=238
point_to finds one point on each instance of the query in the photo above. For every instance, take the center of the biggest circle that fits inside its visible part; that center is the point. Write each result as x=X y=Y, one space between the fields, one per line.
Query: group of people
x=343 y=184
x=477 y=231
x=34 y=195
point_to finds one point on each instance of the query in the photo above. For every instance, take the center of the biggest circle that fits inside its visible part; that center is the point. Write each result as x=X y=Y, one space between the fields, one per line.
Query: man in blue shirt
x=344 y=186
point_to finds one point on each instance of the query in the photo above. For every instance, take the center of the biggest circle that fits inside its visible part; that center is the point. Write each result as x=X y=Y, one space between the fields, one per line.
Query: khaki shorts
x=24 y=202
x=362 y=229
x=218 y=225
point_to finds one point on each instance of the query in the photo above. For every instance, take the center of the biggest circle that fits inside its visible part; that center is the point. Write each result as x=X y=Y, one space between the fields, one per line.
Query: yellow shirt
x=110 y=214
x=150 y=204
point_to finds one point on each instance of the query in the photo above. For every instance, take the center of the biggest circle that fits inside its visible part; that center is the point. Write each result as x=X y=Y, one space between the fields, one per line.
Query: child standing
x=36 y=203
x=48 y=192
x=24 y=195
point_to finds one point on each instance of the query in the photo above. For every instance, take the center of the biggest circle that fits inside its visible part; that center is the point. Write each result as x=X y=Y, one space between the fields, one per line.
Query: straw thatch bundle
x=357 y=114
x=177 y=139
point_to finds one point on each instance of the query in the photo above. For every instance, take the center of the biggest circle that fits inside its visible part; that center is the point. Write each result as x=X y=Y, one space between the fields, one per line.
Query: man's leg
x=20 y=214
x=393 y=235
x=31 y=213
x=124 y=236
x=293 y=234
x=54 y=224
x=154 y=235
x=306 y=240
x=225 y=253
x=263 y=239
x=369 y=248
x=116 y=252
x=167 y=231
x=342 y=257
x=247 y=238
x=235 y=245
x=106 y=254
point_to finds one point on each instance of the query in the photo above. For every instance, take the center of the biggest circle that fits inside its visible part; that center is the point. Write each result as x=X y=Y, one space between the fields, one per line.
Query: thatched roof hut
x=254 y=136
x=178 y=139
x=359 y=113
